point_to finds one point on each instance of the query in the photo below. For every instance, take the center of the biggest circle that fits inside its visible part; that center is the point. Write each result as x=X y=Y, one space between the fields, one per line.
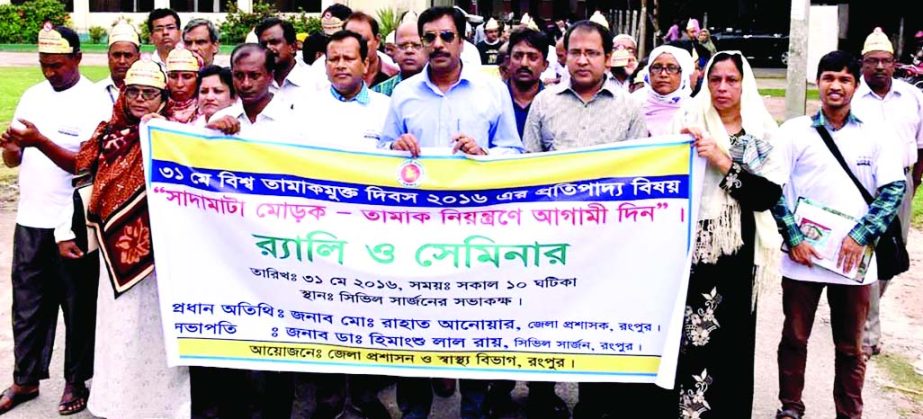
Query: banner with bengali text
x=560 y=266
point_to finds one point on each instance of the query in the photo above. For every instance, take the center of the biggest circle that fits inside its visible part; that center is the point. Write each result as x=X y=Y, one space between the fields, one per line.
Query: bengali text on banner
x=562 y=266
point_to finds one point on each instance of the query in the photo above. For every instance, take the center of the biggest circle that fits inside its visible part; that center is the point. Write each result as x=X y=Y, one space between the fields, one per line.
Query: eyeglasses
x=589 y=53
x=669 y=69
x=411 y=46
x=167 y=28
x=446 y=36
x=876 y=61
x=146 y=94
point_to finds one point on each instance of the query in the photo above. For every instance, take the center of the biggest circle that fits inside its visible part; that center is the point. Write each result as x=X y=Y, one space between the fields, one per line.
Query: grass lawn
x=812 y=93
x=91 y=48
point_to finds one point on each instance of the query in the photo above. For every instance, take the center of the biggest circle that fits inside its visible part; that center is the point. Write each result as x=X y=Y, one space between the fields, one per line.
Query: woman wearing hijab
x=182 y=76
x=130 y=378
x=705 y=41
x=737 y=241
x=666 y=87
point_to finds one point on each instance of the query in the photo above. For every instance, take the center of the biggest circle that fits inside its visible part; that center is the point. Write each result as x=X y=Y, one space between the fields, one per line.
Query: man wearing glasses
x=409 y=56
x=163 y=24
x=448 y=104
x=589 y=109
x=900 y=107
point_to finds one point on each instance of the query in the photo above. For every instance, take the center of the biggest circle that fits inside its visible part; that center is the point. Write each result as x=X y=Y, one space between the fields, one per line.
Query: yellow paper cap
x=600 y=19
x=181 y=59
x=619 y=58
x=146 y=73
x=491 y=25
x=301 y=36
x=50 y=41
x=877 y=41
x=331 y=24
x=124 y=32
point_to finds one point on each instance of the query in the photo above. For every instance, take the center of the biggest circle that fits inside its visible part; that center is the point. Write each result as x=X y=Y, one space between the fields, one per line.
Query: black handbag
x=890 y=250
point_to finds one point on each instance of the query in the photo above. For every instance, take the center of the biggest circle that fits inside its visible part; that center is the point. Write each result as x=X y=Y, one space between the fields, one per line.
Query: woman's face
x=724 y=84
x=214 y=96
x=666 y=74
x=142 y=100
x=703 y=36
x=181 y=85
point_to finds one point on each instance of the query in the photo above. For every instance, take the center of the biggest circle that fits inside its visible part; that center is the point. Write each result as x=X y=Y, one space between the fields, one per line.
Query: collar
x=819 y=120
x=865 y=90
x=273 y=110
x=465 y=76
x=298 y=77
x=363 y=97
x=509 y=86
x=607 y=87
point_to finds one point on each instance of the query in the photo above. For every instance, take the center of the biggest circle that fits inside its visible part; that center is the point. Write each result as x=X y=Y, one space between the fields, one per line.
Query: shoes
x=552 y=407
x=444 y=387
x=787 y=414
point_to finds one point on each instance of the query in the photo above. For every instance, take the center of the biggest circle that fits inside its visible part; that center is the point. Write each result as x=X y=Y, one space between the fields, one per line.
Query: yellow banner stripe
x=342 y=355
x=449 y=173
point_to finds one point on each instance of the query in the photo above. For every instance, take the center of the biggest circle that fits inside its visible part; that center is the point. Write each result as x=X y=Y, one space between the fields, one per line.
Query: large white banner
x=564 y=266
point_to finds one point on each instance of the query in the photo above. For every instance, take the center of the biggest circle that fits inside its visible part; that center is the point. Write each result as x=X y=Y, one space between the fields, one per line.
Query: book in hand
x=824 y=229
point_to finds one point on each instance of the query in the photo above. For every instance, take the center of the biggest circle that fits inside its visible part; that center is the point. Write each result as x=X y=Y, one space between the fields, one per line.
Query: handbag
x=84 y=237
x=890 y=250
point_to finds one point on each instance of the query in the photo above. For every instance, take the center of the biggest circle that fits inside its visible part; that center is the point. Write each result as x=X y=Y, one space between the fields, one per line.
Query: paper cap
x=251 y=38
x=620 y=58
x=124 y=32
x=331 y=24
x=390 y=38
x=181 y=59
x=301 y=36
x=877 y=41
x=50 y=41
x=492 y=25
x=410 y=17
x=145 y=73
x=600 y=19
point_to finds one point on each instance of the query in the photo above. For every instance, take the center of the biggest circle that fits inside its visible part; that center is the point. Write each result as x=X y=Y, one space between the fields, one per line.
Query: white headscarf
x=686 y=68
x=717 y=207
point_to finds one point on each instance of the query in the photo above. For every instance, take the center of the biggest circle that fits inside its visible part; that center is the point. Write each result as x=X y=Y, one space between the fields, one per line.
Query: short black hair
x=316 y=42
x=345 y=34
x=338 y=10
x=435 y=13
x=724 y=56
x=363 y=17
x=223 y=73
x=160 y=14
x=532 y=37
x=244 y=50
x=837 y=61
x=288 y=31
x=70 y=36
x=590 y=26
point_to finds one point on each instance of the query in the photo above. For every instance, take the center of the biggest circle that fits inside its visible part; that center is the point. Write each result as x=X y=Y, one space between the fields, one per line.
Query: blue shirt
x=362 y=97
x=476 y=105
x=521 y=113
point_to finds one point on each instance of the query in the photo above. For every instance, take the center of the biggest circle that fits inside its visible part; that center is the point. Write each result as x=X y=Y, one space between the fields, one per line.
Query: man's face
x=251 y=80
x=182 y=85
x=492 y=35
x=121 y=56
x=836 y=88
x=627 y=45
x=274 y=40
x=878 y=68
x=165 y=33
x=586 y=60
x=409 y=55
x=443 y=44
x=363 y=28
x=199 y=41
x=61 y=70
x=345 y=66
x=561 y=53
x=526 y=64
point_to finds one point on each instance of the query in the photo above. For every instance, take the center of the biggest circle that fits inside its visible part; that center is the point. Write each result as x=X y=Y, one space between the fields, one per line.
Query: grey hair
x=194 y=23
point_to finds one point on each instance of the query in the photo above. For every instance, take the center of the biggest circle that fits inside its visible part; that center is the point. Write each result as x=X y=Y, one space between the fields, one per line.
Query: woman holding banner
x=737 y=241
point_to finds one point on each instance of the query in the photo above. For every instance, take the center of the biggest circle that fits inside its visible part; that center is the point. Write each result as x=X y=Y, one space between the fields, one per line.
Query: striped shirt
x=559 y=119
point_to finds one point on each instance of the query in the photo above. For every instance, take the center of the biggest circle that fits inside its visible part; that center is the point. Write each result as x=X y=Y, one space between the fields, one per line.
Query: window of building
x=310 y=6
x=125 y=6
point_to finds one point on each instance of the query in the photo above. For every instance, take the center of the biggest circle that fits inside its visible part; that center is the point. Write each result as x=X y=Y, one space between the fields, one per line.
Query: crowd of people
x=519 y=89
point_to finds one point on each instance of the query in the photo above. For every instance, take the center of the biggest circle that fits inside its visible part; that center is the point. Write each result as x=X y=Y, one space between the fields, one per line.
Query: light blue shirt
x=477 y=105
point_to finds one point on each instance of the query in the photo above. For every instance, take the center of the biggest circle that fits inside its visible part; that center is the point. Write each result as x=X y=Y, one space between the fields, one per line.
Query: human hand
x=69 y=250
x=226 y=124
x=706 y=147
x=850 y=254
x=407 y=142
x=804 y=254
x=467 y=145
x=26 y=136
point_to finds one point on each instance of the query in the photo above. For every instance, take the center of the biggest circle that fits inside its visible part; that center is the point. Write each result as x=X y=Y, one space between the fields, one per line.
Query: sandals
x=787 y=414
x=76 y=404
x=16 y=398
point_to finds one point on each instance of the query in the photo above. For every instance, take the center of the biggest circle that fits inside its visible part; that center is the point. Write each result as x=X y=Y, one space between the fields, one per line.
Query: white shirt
x=470 y=55
x=67 y=118
x=346 y=124
x=109 y=89
x=900 y=110
x=815 y=174
x=274 y=123
x=299 y=86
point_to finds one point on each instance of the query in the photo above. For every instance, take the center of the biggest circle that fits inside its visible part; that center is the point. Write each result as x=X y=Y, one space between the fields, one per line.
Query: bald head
x=410 y=56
